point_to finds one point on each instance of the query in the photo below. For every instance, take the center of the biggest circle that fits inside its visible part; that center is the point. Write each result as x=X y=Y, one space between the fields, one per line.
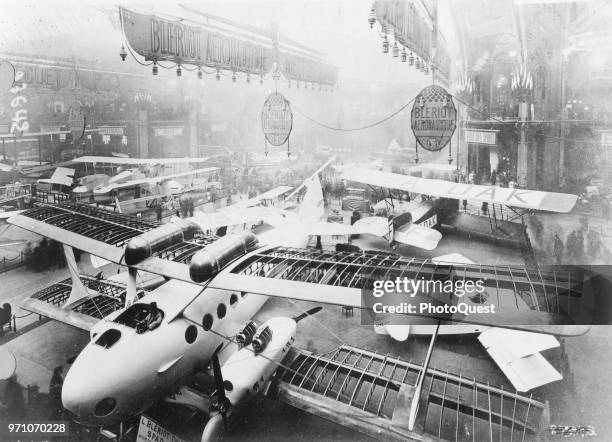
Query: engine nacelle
x=245 y=336
x=213 y=258
x=245 y=372
x=262 y=339
x=143 y=246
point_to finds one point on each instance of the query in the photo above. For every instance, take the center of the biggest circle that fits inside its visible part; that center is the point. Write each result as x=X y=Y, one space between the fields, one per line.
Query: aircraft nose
x=81 y=398
x=89 y=397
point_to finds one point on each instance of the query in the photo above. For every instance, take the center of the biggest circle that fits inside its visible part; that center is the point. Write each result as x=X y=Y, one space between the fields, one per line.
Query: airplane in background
x=131 y=184
x=142 y=176
x=179 y=327
x=411 y=222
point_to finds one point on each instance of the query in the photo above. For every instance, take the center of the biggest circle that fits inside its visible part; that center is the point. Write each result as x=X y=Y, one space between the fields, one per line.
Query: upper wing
x=526 y=199
x=522 y=296
x=138 y=161
x=105 y=234
x=153 y=180
x=525 y=299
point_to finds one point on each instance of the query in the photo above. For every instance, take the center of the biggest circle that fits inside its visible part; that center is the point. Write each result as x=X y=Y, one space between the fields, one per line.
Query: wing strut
x=414 y=407
x=131 y=294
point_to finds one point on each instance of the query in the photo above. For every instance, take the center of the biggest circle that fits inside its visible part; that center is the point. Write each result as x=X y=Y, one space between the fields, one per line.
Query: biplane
x=412 y=222
x=145 y=343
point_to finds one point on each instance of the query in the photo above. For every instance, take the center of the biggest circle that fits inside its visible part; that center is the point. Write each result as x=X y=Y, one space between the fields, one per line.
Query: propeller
x=312 y=311
x=222 y=403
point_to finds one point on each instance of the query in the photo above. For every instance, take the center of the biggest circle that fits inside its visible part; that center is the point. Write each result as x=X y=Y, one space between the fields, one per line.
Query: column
x=193 y=129
x=522 y=154
x=143 y=133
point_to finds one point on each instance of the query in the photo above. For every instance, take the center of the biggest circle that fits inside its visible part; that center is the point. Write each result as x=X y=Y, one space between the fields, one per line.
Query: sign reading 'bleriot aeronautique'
x=433 y=118
x=276 y=119
x=160 y=39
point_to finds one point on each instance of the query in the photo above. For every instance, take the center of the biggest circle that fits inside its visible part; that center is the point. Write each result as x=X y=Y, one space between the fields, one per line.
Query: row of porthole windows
x=207 y=320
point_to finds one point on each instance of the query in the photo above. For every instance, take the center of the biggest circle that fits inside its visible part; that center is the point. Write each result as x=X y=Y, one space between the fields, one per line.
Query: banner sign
x=168 y=131
x=160 y=39
x=276 y=119
x=606 y=139
x=110 y=130
x=301 y=69
x=409 y=25
x=76 y=121
x=433 y=118
x=413 y=30
x=481 y=137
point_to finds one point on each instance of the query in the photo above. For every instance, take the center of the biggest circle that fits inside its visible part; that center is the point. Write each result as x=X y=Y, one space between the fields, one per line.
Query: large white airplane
x=145 y=351
x=411 y=222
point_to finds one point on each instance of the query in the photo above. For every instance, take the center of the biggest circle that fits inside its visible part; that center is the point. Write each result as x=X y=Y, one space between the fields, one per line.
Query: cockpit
x=142 y=317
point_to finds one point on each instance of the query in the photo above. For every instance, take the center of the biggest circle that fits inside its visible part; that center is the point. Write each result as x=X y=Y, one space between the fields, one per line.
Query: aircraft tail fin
x=312 y=207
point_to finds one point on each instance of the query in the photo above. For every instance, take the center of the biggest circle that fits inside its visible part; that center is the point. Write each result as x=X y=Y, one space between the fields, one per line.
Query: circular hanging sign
x=76 y=121
x=276 y=119
x=433 y=118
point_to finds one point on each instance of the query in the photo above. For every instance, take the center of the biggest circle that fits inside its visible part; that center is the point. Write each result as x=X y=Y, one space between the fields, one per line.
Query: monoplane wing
x=523 y=198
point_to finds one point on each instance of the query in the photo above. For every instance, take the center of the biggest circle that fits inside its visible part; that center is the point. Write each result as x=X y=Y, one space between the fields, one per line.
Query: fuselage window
x=207 y=321
x=109 y=338
x=191 y=334
x=221 y=310
x=243 y=294
x=233 y=299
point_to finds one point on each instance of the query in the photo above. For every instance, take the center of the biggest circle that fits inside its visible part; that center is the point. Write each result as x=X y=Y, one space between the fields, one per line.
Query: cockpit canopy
x=141 y=316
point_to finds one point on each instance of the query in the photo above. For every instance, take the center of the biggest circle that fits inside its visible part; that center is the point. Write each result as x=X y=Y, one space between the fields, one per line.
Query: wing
x=269 y=195
x=137 y=161
x=237 y=216
x=61 y=175
x=409 y=234
x=153 y=180
x=418 y=236
x=105 y=234
x=517 y=354
x=340 y=278
x=522 y=296
x=523 y=198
